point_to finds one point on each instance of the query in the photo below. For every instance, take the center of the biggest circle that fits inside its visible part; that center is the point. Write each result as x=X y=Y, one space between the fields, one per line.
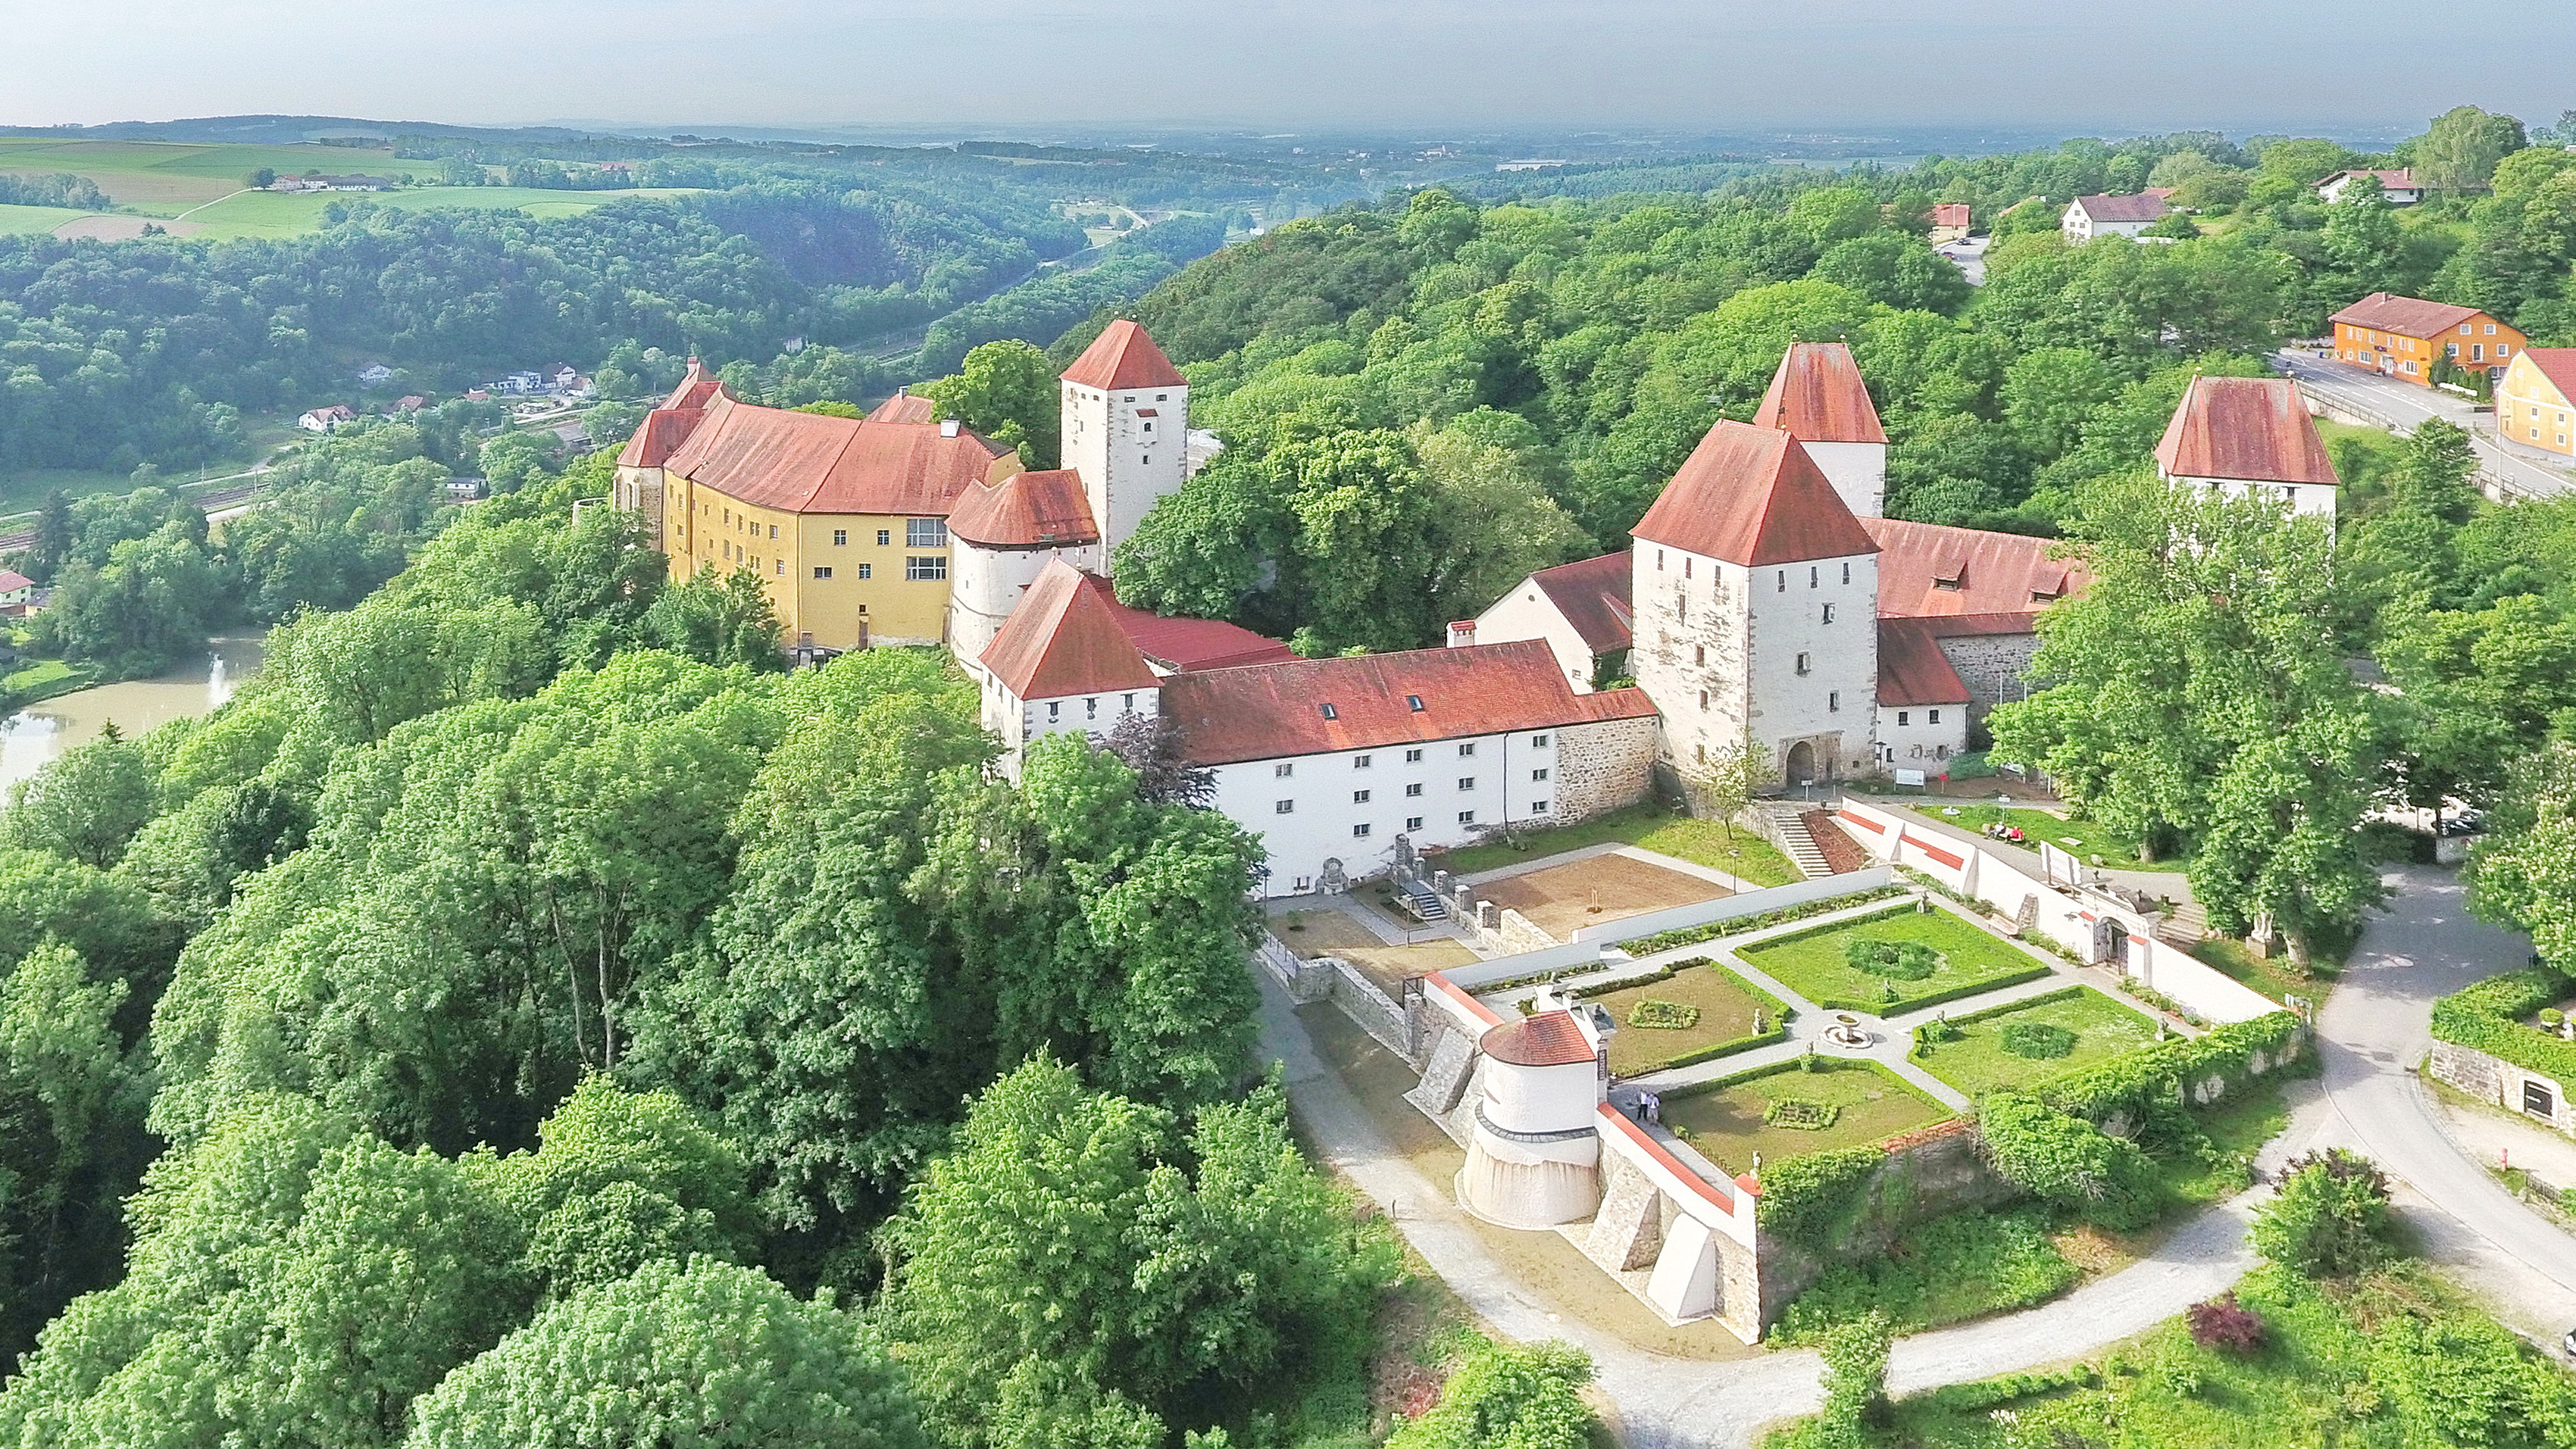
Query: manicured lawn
x=1813 y=965
x=1727 y=1125
x=2090 y=837
x=1701 y=842
x=38 y=675
x=1726 y=1008
x=1978 y=1062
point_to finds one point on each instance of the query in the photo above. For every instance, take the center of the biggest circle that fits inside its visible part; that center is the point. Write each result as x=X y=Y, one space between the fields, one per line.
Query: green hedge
x=1815 y=1199
x=2141 y=1080
x=1779 y=1012
x=1746 y=925
x=1913 y=1004
x=2488 y=1017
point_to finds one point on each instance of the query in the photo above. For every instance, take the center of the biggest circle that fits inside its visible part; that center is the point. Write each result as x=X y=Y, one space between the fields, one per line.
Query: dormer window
x=1413 y=702
x=1330 y=712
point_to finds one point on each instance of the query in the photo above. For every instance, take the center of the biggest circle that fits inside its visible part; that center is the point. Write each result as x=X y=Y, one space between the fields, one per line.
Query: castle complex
x=1764 y=599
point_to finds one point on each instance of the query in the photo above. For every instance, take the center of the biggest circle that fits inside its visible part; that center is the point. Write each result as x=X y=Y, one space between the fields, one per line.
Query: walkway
x=2401 y=406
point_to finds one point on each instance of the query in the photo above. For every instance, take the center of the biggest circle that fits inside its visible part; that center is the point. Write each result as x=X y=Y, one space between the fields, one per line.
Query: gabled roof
x=1548 y=1039
x=12 y=581
x=1950 y=213
x=1752 y=496
x=1121 y=357
x=1929 y=570
x=2405 y=316
x=1182 y=645
x=809 y=463
x=1911 y=667
x=2558 y=364
x=905 y=407
x=1319 y=706
x=2388 y=180
x=1817 y=396
x=1063 y=640
x=2146 y=206
x=1026 y=510
x=2254 y=428
x=668 y=426
x=1593 y=597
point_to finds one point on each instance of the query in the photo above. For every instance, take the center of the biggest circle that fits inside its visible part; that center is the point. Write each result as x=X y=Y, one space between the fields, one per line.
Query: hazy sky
x=1312 y=64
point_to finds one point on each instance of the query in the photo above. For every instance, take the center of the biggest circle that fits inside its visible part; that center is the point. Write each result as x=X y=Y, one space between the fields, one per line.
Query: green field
x=2085 y=839
x=1813 y=966
x=1977 y=1063
x=21 y=220
x=1727 y=1125
x=284 y=214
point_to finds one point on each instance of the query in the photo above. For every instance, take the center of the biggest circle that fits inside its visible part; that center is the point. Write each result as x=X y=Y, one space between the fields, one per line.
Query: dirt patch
x=1842 y=854
x=1329 y=932
x=1560 y=898
x=120 y=228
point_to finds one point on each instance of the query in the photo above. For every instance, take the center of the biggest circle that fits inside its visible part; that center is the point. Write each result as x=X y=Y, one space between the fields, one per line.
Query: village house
x=16 y=591
x=2088 y=217
x=323 y=420
x=2250 y=435
x=2535 y=396
x=375 y=374
x=1950 y=222
x=2404 y=337
x=2397 y=188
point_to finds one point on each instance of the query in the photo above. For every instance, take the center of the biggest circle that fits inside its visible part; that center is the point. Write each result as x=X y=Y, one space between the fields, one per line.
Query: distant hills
x=289 y=130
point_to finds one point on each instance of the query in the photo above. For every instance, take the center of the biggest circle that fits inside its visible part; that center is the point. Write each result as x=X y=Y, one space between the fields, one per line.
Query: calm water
x=34 y=736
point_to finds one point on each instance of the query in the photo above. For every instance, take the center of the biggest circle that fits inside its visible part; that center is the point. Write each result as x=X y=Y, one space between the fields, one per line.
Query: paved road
x=2404 y=405
x=2372 y=1030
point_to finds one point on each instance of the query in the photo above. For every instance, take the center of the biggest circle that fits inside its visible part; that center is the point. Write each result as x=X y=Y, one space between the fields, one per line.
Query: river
x=34 y=736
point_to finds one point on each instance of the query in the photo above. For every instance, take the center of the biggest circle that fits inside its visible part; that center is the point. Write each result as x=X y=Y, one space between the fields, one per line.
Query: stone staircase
x=2187 y=927
x=1423 y=901
x=1796 y=842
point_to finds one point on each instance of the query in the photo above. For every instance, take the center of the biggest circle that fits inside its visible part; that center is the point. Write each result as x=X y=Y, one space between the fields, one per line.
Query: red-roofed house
x=16 y=590
x=1951 y=221
x=2535 y=396
x=2399 y=188
x=2404 y=336
x=2088 y=217
x=2249 y=435
x=1817 y=397
x=1579 y=609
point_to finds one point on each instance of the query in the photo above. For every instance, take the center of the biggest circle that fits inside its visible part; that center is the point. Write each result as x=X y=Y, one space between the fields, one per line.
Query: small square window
x=1283 y=807
x=1283 y=771
x=1359 y=797
x=1359 y=832
x=1361 y=762
x=1933 y=715
x=1539 y=774
x=1466 y=817
x=1413 y=789
x=1538 y=807
x=840 y=538
x=1413 y=822
x=884 y=536
x=1466 y=782
x=1538 y=742
x=1468 y=748
x=1413 y=757
x=1904 y=717
x=822 y=573
x=867 y=571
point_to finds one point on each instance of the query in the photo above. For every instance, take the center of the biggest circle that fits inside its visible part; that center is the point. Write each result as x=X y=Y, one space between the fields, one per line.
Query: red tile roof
x=1817 y=396
x=809 y=463
x=1593 y=597
x=11 y=581
x=2244 y=427
x=1025 y=510
x=1063 y=640
x=2388 y=180
x=2558 y=364
x=1549 y=1039
x=2148 y=206
x=1752 y=496
x=2405 y=316
x=1124 y=357
x=905 y=407
x=1911 y=667
x=668 y=426
x=1932 y=569
x=1950 y=213
x=1181 y=645
x=1275 y=711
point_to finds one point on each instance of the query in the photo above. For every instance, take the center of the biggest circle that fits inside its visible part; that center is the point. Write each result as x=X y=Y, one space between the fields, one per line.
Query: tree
x=2330 y=1218
x=2461 y=150
x=1008 y=392
x=85 y=804
x=2067 y=1161
x=718 y=620
x=2522 y=874
x=2363 y=238
x=1725 y=783
x=1855 y=1355
x=1151 y=745
x=1520 y=1396
x=261 y=179
x=53 y=543
x=708 y=1354
x=71 y=1137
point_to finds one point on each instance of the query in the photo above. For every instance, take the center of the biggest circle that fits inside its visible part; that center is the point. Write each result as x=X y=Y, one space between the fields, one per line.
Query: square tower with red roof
x=1126 y=429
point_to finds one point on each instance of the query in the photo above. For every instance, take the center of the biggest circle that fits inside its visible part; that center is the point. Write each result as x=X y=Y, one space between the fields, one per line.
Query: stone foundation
x=2493 y=1079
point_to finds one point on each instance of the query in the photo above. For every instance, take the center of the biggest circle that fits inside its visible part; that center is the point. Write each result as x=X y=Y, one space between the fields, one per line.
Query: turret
x=1125 y=430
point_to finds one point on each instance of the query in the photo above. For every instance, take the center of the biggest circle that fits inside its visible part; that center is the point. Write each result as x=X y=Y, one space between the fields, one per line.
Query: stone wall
x=1602 y=766
x=1928 y=1174
x=1992 y=666
x=2493 y=1079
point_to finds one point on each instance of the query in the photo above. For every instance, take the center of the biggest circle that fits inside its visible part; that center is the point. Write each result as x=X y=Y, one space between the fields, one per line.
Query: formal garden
x=1692 y=1011
x=1798 y=1108
x=1894 y=962
x=2017 y=1046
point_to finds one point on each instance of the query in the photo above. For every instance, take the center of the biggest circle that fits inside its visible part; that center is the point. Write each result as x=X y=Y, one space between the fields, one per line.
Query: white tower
x=1126 y=429
x=1818 y=398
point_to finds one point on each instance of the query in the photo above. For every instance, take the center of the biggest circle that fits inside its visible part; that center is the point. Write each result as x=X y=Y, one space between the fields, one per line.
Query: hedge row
x=1978 y=987
x=1918 y=1053
x=1746 y=925
x=2138 y=1081
x=1777 y=1009
x=2488 y=1017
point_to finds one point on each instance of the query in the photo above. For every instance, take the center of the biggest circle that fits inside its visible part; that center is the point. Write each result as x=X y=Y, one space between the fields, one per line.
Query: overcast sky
x=1315 y=64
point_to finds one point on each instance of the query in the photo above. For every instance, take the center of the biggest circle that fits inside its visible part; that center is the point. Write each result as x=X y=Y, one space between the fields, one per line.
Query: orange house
x=2404 y=336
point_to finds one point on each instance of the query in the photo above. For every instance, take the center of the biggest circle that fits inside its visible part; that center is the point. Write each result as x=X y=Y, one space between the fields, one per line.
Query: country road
x=2400 y=406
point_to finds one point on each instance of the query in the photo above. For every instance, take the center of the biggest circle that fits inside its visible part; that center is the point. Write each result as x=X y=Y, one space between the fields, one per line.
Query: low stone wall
x=2493 y=1079
x=1601 y=766
x=1928 y=1174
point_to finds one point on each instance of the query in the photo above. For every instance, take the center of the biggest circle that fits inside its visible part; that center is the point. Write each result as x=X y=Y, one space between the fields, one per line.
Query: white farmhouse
x=1579 y=609
x=2088 y=217
x=2250 y=436
x=2397 y=188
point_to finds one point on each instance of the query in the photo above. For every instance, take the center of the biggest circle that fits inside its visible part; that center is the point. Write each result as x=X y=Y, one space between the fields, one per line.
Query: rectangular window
x=782 y=568
x=1412 y=790
x=1359 y=797
x=1538 y=807
x=927 y=568
x=840 y=538
x=2537 y=1099
x=1833 y=700
x=1466 y=782
x=1413 y=757
x=1538 y=742
x=1329 y=711
x=1361 y=762
x=1358 y=832
x=773 y=530
x=1812 y=575
x=1468 y=748
x=1055 y=709
x=1539 y=774
x=1829 y=613
x=1804 y=663
x=1783 y=586
x=1846 y=572
x=1466 y=817
x=1659 y=560
x=1686 y=565
x=1699 y=654
x=867 y=571
x=1413 y=822
x=1283 y=771
x=1933 y=715
x=1413 y=702
x=884 y=536
x=925 y=533
x=1903 y=717
x=1283 y=807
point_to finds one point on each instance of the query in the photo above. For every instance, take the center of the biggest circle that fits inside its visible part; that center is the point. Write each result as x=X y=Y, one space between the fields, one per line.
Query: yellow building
x=844 y=520
x=2533 y=399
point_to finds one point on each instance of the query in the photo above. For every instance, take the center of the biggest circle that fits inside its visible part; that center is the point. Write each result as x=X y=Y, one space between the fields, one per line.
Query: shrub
x=2489 y=1016
x=1809 y=1200
x=2135 y=1084
x=1520 y=1394
x=2067 y=1160
x=1958 y=1266
x=1746 y=925
x=1855 y=1357
x=1663 y=1015
x=1903 y=960
x=1801 y=1113
x=2330 y=1218
x=2224 y=1323
x=2037 y=1040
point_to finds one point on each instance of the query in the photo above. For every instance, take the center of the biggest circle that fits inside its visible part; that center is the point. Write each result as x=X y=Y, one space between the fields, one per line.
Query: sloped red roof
x=1752 y=496
x=11 y=581
x=2244 y=427
x=809 y=463
x=2558 y=364
x=1817 y=396
x=1911 y=667
x=1932 y=569
x=1181 y=645
x=1549 y=1039
x=660 y=435
x=1063 y=640
x=1025 y=510
x=1272 y=711
x=1950 y=213
x=2388 y=180
x=1124 y=356
x=1593 y=597
x=2405 y=316
x=2148 y=206
x=905 y=407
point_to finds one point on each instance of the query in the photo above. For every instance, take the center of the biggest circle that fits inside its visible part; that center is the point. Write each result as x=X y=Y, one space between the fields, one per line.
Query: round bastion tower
x=1535 y=1158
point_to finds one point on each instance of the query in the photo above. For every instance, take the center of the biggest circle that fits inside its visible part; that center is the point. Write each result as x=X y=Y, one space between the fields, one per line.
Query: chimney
x=1462 y=632
x=948 y=427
